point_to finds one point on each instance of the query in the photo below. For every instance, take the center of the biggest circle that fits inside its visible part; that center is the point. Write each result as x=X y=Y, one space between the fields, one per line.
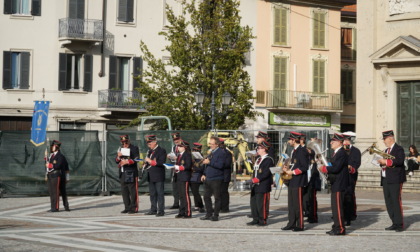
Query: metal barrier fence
x=92 y=162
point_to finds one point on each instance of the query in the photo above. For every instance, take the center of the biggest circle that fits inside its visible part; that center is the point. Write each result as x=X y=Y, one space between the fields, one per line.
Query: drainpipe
x=102 y=71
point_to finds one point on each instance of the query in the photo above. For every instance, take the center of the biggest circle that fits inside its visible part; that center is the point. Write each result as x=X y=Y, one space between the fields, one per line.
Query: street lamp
x=199 y=99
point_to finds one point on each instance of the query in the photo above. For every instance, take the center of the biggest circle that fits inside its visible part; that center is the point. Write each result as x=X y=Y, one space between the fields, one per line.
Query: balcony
x=119 y=100
x=80 y=30
x=293 y=100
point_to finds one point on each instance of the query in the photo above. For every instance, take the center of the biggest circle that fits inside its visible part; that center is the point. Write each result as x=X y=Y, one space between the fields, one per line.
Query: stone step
x=369 y=179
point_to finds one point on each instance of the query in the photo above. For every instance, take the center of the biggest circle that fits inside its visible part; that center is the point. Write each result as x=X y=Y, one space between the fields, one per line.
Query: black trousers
x=175 y=191
x=312 y=204
x=130 y=194
x=184 y=198
x=195 y=189
x=412 y=165
x=212 y=188
x=157 y=197
x=350 y=206
x=295 y=206
x=63 y=192
x=337 y=199
x=224 y=194
x=393 y=202
x=53 y=181
x=260 y=202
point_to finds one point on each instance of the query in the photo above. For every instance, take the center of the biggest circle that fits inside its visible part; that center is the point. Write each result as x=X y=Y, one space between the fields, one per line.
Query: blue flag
x=39 y=122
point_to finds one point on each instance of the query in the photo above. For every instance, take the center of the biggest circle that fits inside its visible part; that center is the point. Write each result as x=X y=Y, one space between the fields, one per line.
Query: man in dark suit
x=392 y=178
x=176 y=138
x=128 y=174
x=154 y=162
x=57 y=168
x=338 y=175
x=355 y=158
x=297 y=168
x=213 y=178
x=262 y=179
x=227 y=174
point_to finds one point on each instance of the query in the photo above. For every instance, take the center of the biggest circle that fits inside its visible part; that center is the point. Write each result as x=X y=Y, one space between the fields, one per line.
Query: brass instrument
x=315 y=146
x=284 y=176
x=373 y=149
x=279 y=181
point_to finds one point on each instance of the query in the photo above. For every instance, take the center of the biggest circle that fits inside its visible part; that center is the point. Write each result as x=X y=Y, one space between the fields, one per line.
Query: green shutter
x=280 y=73
x=62 y=71
x=280 y=26
x=87 y=80
x=24 y=70
x=112 y=72
x=276 y=35
x=7 y=70
x=319 y=76
x=319 y=30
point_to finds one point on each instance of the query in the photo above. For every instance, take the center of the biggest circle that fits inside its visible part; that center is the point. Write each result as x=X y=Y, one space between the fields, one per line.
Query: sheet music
x=251 y=153
x=172 y=156
x=125 y=152
x=197 y=155
x=275 y=170
x=375 y=159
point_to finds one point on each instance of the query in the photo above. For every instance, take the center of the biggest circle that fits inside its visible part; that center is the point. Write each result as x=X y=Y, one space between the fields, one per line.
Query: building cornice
x=329 y=4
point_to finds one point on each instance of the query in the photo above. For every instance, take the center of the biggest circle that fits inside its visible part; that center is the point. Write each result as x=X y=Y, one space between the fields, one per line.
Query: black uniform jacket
x=339 y=171
x=186 y=161
x=157 y=173
x=395 y=174
x=197 y=171
x=59 y=163
x=355 y=159
x=315 y=181
x=300 y=160
x=228 y=166
x=264 y=175
x=134 y=154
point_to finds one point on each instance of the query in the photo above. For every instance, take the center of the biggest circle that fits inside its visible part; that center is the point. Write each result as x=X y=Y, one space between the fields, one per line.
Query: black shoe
x=353 y=218
x=249 y=215
x=205 y=218
x=287 y=228
x=399 y=229
x=160 y=214
x=215 y=218
x=179 y=216
x=296 y=229
x=262 y=224
x=337 y=233
x=174 y=207
x=392 y=227
x=224 y=211
x=348 y=223
x=131 y=212
x=52 y=211
x=201 y=210
x=150 y=213
x=187 y=217
x=312 y=221
x=329 y=232
x=252 y=223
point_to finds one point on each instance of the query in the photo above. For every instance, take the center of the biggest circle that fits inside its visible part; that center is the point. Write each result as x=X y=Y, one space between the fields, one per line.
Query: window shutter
x=24 y=70
x=80 y=9
x=130 y=10
x=321 y=76
x=276 y=26
x=315 y=76
x=322 y=30
x=122 y=10
x=62 y=71
x=112 y=72
x=137 y=71
x=276 y=73
x=36 y=8
x=316 y=30
x=7 y=69
x=7 y=7
x=280 y=74
x=87 y=85
x=283 y=69
x=283 y=27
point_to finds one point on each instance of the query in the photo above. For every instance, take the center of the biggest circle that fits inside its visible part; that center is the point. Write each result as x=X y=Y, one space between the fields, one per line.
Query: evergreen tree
x=207 y=47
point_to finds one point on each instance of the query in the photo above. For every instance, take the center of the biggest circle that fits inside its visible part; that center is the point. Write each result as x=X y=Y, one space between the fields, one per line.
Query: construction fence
x=92 y=165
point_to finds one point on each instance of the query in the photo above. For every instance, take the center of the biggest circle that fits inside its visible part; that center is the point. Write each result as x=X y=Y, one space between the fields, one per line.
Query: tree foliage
x=207 y=47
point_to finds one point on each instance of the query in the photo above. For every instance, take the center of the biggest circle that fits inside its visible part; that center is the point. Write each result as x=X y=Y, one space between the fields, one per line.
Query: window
x=16 y=70
x=71 y=75
x=119 y=72
x=22 y=7
x=125 y=11
x=280 y=73
x=347 y=84
x=348 y=44
x=318 y=75
x=281 y=20
x=319 y=29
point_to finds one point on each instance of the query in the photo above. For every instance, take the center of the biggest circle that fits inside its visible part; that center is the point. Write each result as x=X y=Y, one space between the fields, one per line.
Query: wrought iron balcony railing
x=118 y=99
x=304 y=100
x=83 y=29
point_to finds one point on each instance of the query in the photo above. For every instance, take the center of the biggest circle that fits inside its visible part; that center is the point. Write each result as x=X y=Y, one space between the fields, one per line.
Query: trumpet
x=315 y=146
x=373 y=149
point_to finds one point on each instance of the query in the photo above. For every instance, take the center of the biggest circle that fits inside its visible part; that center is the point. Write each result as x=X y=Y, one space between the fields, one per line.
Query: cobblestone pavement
x=95 y=224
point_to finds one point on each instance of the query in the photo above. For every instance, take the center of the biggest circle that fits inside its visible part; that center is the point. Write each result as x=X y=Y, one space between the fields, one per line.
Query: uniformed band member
x=297 y=168
x=227 y=174
x=355 y=159
x=176 y=138
x=263 y=136
x=128 y=174
x=183 y=167
x=197 y=172
x=262 y=179
x=392 y=178
x=314 y=186
x=213 y=178
x=302 y=140
x=338 y=174
x=154 y=163
x=57 y=168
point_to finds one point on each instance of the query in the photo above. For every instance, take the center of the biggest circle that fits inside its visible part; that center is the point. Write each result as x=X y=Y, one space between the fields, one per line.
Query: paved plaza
x=95 y=224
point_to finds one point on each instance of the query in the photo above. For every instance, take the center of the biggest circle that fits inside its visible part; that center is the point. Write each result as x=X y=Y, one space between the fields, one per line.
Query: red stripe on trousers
x=337 y=199
x=57 y=204
x=300 y=208
x=187 y=198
